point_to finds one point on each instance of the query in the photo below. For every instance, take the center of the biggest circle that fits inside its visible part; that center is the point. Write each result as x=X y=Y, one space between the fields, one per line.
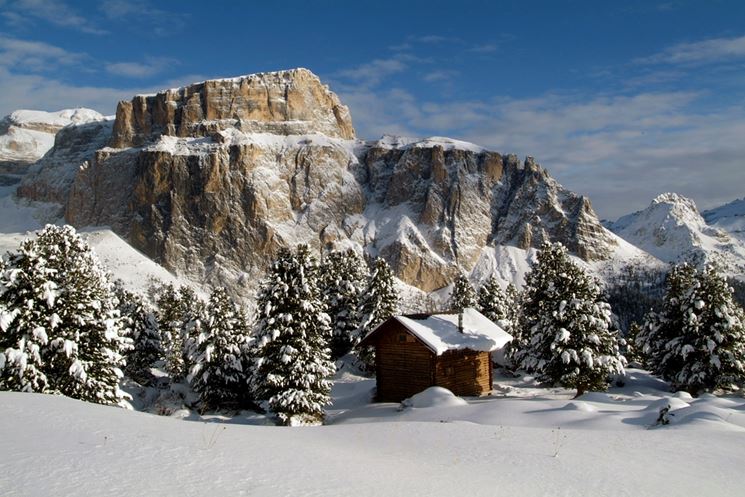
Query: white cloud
x=372 y=73
x=149 y=67
x=53 y=11
x=35 y=55
x=439 y=75
x=699 y=53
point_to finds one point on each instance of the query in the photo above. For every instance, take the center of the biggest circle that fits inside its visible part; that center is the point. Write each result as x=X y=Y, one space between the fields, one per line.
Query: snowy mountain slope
x=672 y=229
x=26 y=135
x=526 y=441
x=20 y=219
x=729 y=217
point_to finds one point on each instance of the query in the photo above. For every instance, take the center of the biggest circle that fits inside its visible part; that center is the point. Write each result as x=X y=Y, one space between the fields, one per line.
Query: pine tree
x=698 y=341
x=493 y=303
x=179 y=319
x=220 y=370
x=343 y=279
x=663 y=327
x=513 y=297
x=379 y=302
x=463 y=295
x=141 y=326
x=565 y=326
x=291 y=355
x=61 y=331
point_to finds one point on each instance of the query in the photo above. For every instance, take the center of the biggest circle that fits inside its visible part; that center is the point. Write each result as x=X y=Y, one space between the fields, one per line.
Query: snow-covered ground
x=524 y=440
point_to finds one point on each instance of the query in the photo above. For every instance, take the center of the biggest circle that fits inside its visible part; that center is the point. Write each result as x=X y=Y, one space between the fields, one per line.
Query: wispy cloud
x=484 y=48
x=373 y=72
x=159 y=22
x=149 y=67
x=440 y=75
x=35 y=55
x=55 y=12
x=699 y=52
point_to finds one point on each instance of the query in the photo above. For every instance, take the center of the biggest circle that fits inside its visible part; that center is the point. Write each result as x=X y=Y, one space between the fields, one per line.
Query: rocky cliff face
x=212 y=179
x=285 y=102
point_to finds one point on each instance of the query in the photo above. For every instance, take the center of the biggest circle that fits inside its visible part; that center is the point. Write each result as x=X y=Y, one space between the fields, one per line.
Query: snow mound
x=673 y=402
x=579 y=406
x=434 y=397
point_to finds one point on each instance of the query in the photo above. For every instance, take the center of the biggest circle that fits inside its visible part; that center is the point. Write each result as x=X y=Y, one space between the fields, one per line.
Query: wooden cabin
x=415 y=352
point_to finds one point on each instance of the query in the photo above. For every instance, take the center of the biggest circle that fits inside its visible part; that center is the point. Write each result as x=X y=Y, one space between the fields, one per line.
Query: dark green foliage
x=565 y=335
x=493 y=303
x=379 y=302
x=220 y=370
x=463 y=295
x=343 y=278
x=290 y=351
x=141 y=326
x=59 y=327
x=697 y=341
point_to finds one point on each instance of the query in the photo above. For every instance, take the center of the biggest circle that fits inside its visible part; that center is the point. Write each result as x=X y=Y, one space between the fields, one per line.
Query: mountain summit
x=212 y=179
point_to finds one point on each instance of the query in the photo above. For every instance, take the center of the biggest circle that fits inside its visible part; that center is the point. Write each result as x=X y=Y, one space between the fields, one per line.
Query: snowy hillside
x=26 y=135
x=672 y=229
x=524 y=441
x=729 y=217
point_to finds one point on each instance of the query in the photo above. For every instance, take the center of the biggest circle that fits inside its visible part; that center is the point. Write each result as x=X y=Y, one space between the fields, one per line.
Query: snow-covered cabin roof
x=439 y=332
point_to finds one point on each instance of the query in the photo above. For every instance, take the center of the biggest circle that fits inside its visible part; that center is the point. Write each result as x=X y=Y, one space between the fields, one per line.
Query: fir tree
x=662 y=327
x=379 y=302
x=566 y=331
x=463 y=295
x=220 y=370
x=291 y=355
x=697 y=342
x=493 y=303
x=179 y=319
x=343 y=279
x=61 y=331
x=141 y=327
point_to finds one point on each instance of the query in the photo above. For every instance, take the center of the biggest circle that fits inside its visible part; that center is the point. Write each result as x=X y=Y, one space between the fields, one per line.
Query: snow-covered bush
x=565 y=335
x=290 y=351
x=60 y=331
x=697 y=341
x=379 y=302
x=343 y=278
x=220 y=372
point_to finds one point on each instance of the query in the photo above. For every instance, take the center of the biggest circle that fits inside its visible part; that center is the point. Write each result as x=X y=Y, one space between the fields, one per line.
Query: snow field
x=534 y=441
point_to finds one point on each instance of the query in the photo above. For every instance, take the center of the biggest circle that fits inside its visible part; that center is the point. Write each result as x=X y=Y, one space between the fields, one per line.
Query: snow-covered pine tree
x=663 y=327
x=463 y=294
x=179 y=312
x=290 y=350
x=513 y=297
x=343 y=278
x=708 y=351
x=57 y=297
x=221 y=366
x=141 y=327
x=379 y=302
x=171 y=326
x=566 y=326
x=493 y=303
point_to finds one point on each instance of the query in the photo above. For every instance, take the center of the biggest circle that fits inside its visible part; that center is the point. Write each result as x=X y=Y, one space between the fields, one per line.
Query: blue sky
x=618 y=100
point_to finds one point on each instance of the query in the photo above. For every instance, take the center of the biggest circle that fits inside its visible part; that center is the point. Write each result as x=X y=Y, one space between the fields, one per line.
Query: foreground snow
x=534 y=441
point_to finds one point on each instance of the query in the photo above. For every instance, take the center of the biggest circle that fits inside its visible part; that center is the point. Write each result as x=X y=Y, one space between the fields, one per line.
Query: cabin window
x=402 y=337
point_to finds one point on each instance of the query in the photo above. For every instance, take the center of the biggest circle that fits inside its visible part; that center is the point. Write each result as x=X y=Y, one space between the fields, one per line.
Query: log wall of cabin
x=404 y=366
x=464 y=372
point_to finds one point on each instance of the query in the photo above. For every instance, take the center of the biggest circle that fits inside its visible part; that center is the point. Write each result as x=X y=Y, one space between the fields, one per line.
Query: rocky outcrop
x=285 y=102
x=212 y=179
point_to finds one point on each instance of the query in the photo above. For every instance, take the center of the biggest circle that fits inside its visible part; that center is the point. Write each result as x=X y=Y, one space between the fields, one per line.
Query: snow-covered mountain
x=729 y=217
x=672 y=229
x=210 y=180
x=26 y=135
